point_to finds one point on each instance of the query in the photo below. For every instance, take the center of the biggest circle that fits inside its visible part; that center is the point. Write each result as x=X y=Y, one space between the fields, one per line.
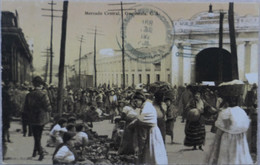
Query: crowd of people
x=142 y=119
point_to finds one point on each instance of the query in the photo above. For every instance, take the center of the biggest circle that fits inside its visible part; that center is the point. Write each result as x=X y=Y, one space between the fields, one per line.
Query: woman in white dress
x=230 y=145
x=149 y=139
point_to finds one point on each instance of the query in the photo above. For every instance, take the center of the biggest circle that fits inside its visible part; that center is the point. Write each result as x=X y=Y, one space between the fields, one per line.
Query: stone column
x=163 y=70
x=254 y=58
x=247 y=56
x=174 y=66
x=180 y=61
x=187 y=64
x=241 y=60
x=193 y=65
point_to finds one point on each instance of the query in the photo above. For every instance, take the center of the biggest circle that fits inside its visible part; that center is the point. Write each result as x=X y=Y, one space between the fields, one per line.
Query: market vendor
x=149 y=139
x=64 y=153
x=128 y=114
x=56 y=133
x=195 y=132
x=81 y=138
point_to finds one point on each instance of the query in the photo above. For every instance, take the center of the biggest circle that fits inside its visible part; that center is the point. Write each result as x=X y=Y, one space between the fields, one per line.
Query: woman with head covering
x=195 y=126
x=128 y=115
x=149 y=138
x=230 y=145
x=171 y=113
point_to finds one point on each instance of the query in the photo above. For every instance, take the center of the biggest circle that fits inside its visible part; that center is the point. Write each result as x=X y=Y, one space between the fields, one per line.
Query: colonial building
x=190 y=37
x=202 y=31
x=16 y=55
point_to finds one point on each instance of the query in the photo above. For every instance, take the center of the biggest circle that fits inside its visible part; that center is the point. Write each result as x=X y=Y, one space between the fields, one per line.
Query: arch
x=208 y=65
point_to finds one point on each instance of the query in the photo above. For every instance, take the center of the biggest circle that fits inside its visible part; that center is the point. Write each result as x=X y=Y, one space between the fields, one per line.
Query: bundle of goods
x=159 y=86
x=231 y=90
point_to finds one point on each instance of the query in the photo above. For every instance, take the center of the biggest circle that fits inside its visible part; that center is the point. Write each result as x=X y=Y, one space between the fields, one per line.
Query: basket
x=231 y=90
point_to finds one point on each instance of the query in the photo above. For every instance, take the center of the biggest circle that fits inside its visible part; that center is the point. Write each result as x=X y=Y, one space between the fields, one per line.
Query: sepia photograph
x=129 y=82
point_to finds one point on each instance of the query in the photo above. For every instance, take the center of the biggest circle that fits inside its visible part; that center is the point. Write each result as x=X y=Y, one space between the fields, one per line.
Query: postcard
x=128 y=82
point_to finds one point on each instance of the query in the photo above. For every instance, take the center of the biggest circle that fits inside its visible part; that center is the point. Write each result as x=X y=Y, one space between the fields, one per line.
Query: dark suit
x=38 y=107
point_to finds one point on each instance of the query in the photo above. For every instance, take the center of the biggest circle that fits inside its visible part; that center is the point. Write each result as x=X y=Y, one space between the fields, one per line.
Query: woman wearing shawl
x=195 y=129
x=230 y=145
x=149 y=138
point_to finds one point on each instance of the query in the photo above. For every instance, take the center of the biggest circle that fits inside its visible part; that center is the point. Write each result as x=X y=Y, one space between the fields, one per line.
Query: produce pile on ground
x=101 y=150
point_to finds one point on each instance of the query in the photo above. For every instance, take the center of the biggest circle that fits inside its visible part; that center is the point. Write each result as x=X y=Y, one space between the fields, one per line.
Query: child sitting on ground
x=56 y=133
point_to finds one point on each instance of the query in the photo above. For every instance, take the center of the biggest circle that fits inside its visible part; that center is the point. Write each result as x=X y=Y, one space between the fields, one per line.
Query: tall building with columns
x=202 y=31
x=190 y=37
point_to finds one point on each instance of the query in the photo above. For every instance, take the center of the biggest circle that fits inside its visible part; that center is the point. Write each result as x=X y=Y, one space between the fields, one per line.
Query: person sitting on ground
x=71 y=127
x=81 y=138
x=64 y=153
x=55 y=134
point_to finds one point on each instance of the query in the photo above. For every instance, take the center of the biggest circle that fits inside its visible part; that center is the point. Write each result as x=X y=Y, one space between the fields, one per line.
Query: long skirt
x=169 y=126
x=153 y=151
x=195 y=133
x=162 y=126
x=229 y=149
x=127 y=142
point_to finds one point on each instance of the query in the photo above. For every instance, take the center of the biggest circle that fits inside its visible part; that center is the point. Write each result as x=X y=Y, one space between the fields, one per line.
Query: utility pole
x=47 y=55
x=66 y=66
x=233 y=46
x=220 y=72
x=123 y=35
x=95 y=56
x=62 y=56
x=51 y=50
x=80 y=40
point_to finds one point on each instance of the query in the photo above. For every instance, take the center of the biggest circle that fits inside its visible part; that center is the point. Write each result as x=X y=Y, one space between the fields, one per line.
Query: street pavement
x=21 y=148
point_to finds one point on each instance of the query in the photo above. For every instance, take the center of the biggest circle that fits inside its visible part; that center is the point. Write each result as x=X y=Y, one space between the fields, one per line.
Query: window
x=122 y=79
x=157 y=77
x=148 y=79
x=133 y=79
x=169 y=78
x=126 y=80
x=140 y=78
x=116 y=79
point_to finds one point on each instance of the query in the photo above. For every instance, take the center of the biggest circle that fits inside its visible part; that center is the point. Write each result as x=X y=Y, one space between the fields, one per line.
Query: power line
x=80 y=40
x=51 y=37
x=47 y=55
x=95 y=64
x=123 y=35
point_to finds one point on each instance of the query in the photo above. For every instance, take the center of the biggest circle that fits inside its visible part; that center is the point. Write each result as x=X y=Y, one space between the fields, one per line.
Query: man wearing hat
x=113 y=104
x=38 y=106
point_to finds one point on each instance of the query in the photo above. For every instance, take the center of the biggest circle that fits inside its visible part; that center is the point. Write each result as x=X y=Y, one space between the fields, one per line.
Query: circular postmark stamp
x=148 y=34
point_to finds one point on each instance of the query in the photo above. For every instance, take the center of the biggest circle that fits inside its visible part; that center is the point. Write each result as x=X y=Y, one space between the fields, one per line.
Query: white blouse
x=233 y=120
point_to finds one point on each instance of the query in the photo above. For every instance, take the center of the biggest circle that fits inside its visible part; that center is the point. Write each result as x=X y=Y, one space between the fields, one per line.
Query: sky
x=36 y=27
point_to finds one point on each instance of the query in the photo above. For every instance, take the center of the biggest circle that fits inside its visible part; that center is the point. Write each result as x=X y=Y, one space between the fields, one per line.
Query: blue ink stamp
x=148 y=34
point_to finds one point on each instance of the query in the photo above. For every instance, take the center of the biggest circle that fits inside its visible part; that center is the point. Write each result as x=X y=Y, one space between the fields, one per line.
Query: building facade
x=16 y=55
x=190 y=37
